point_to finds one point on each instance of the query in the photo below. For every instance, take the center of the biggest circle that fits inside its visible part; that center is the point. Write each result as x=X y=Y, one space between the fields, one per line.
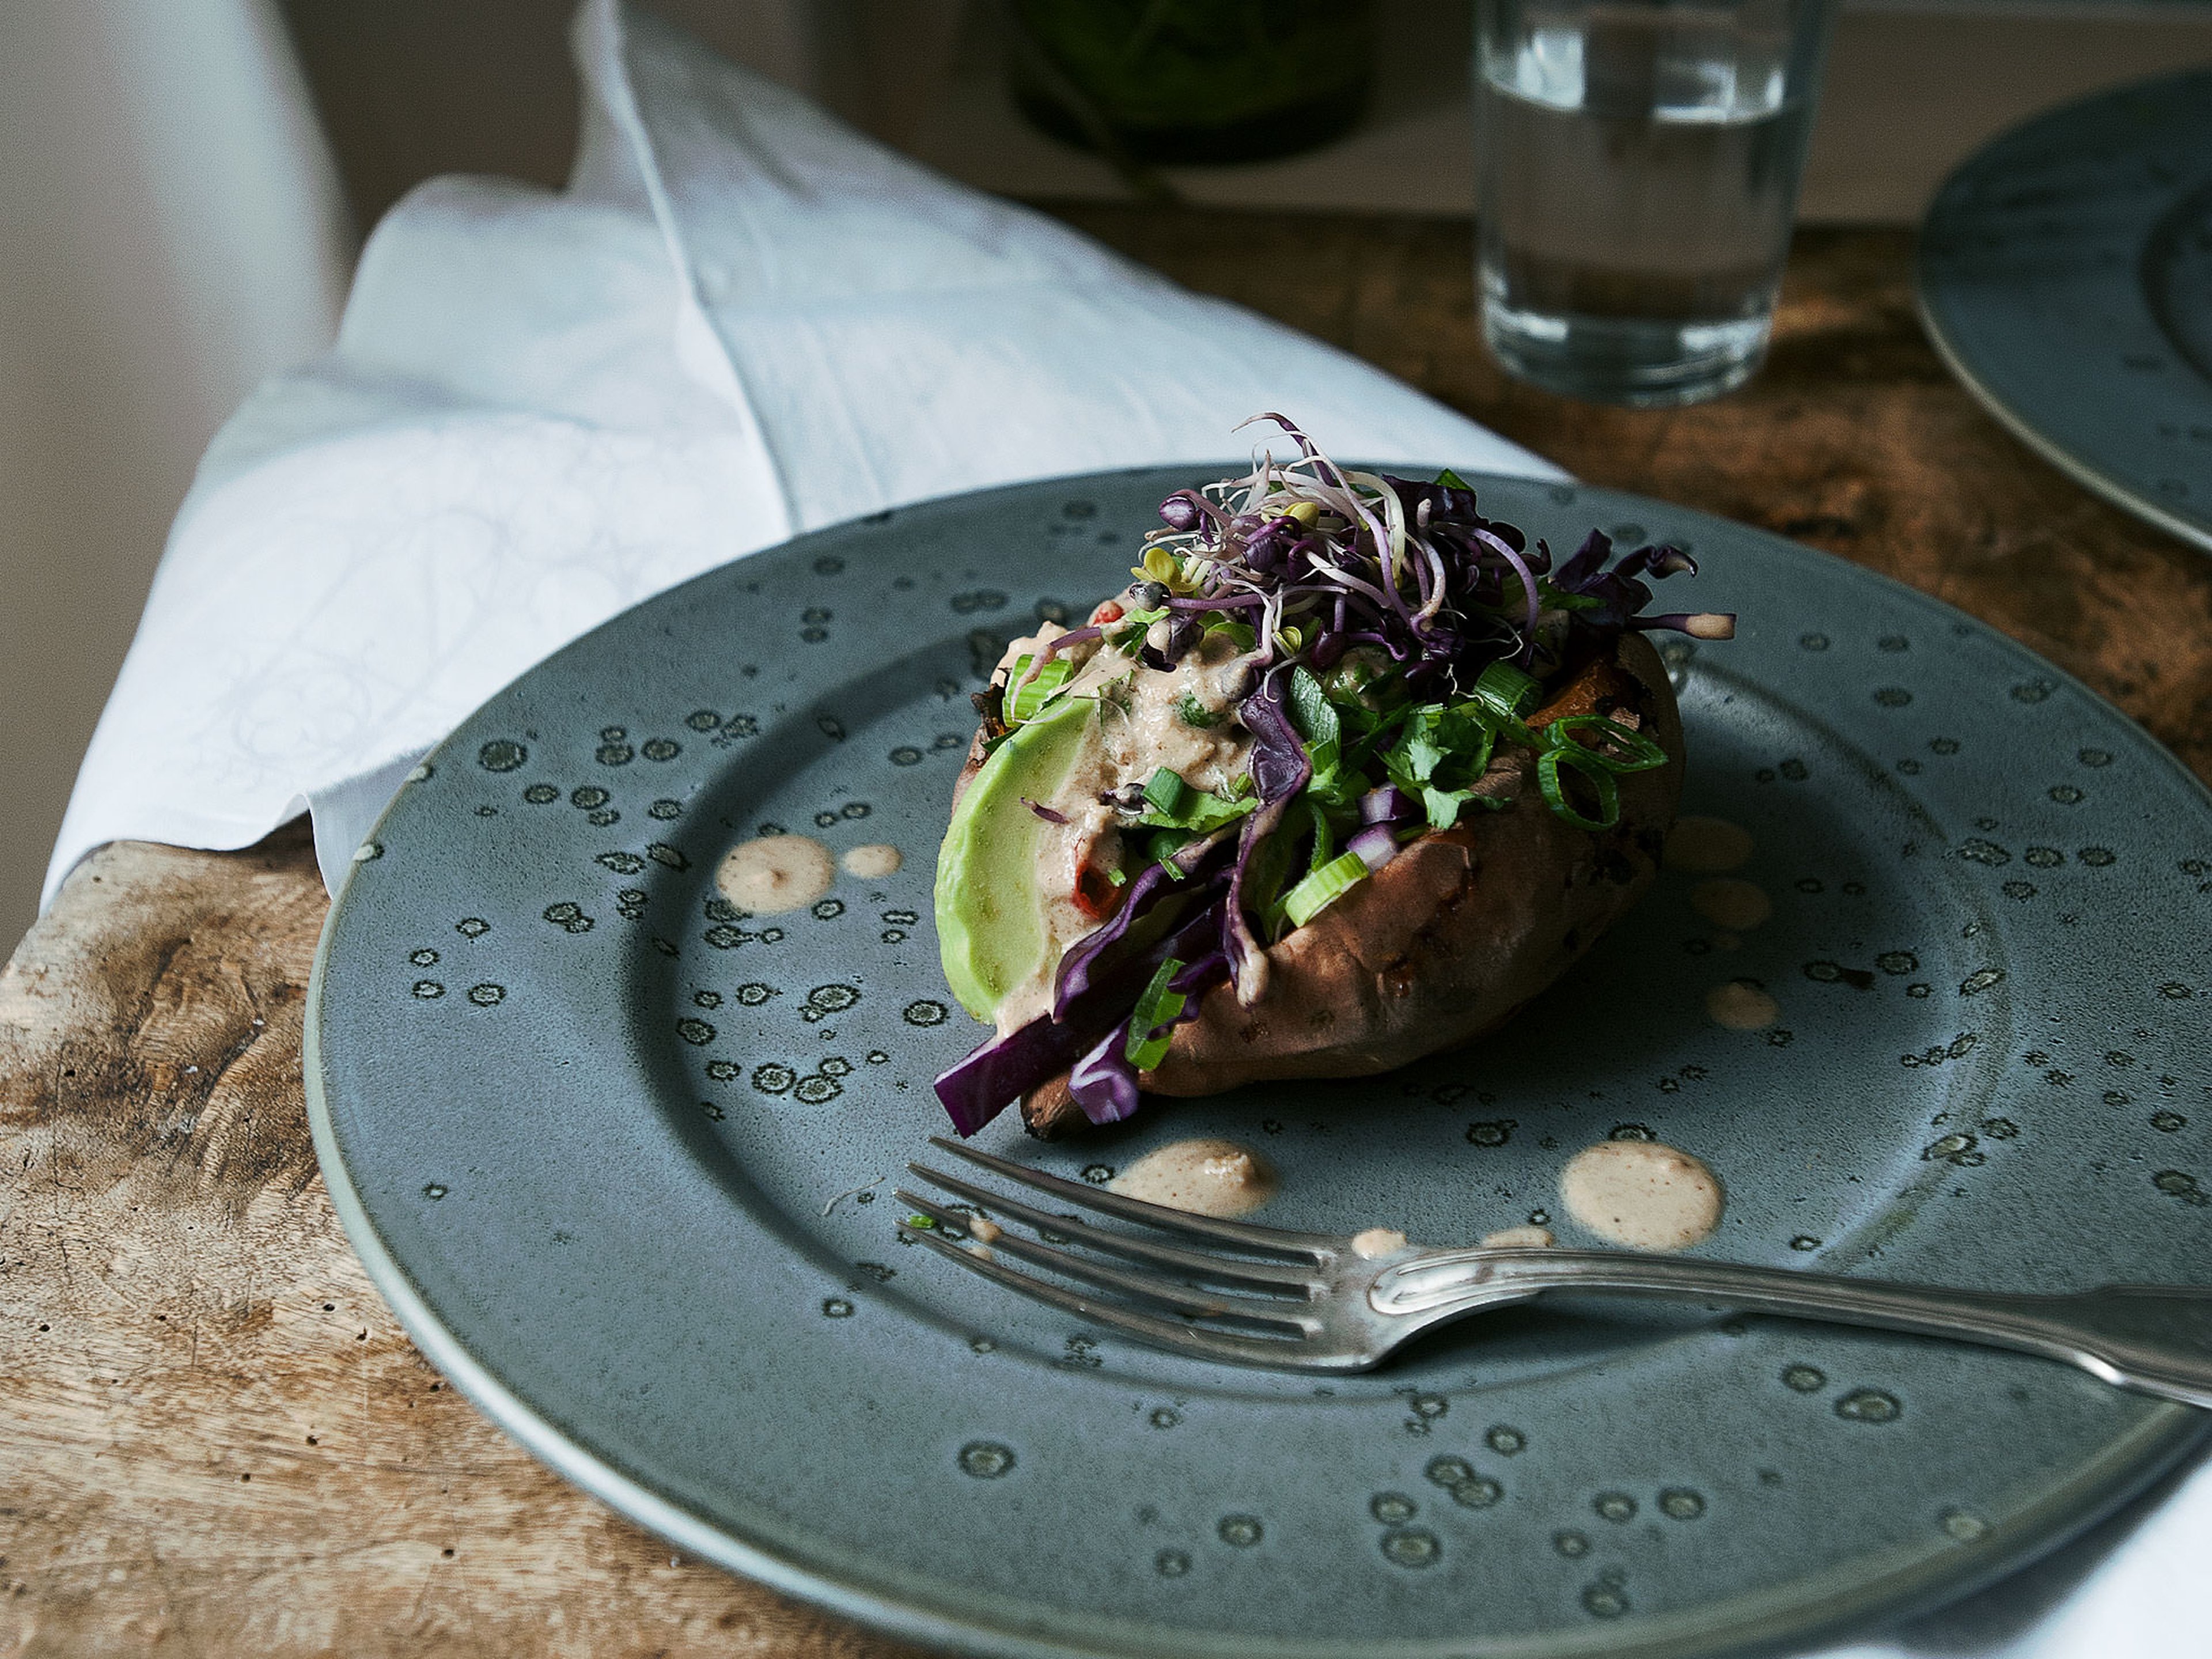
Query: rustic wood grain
x=214 y=1439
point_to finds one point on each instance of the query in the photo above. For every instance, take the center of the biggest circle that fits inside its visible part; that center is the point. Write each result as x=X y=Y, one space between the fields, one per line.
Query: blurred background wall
x=183 y=183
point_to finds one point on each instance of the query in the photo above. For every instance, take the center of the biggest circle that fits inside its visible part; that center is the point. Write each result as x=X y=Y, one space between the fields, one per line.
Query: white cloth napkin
x=741 y=321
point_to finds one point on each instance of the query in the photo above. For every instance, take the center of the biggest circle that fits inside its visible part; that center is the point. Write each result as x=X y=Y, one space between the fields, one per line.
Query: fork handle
x=2155 y=1340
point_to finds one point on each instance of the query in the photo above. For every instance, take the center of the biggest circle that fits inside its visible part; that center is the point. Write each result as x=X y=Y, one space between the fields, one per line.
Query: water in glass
x=1639 y=166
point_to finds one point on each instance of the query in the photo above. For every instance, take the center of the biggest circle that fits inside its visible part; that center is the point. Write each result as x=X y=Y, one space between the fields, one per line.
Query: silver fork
x=1310 y=1302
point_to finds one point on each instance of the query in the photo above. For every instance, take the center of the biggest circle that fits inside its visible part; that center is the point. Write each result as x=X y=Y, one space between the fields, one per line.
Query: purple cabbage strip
x=1044 y=811
x=1103 y=1082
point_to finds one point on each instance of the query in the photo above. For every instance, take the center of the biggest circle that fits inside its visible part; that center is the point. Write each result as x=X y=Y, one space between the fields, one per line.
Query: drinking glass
x=1638 y=162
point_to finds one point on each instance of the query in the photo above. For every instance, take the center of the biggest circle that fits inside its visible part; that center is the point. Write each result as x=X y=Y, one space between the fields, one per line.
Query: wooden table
x=214 y=1440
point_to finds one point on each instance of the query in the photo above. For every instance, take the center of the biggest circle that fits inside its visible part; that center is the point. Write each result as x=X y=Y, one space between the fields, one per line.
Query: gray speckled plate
x=2066 y=277
x=618 y=1155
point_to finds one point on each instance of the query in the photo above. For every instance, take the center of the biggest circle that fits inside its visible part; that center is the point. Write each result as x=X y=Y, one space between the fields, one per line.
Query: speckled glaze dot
x=1892 y=697
x=1681 y=1503
x=815 y=1091
x=1980 y=981
x=836 y=1307
x=1962 y=1525
x=2180 y=1184
x=423 y=959
x=1603 y=1601
x=666 y=810
x=1477 y=1492
x=1171 y=1564
x=1617 y=1507
x=1164 y=1417
x=827 y=909
x=1495 y=1132
x=2067 y=794
x=368 y=852
x=1870 y=1405
x=1570 y=1544
x=906 y=755
x=429 y=989
x=1241 y=1531
x=1448 y=1471
x=1411 y=1546
x=1392 y=1508
x=614 y=754
x=502 y=755
x=753 y=993
x=986 y=1460
x=696 y=1032
x=774 y=1080
x=435 y=1191
x=1505 y=1440
x=1805 y=1379
x=487 y=995
x=1813 y=642
x=541 y=794
x=660 y=749
x=924 y=1012
x=2168 y=1122
x=587 y=797
x=2098 y=858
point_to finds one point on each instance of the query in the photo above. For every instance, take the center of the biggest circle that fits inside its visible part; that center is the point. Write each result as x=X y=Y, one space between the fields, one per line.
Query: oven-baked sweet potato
x=1447 y=941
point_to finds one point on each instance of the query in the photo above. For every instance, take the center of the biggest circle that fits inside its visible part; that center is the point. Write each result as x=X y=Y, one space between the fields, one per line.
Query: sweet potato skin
x=1448 y=940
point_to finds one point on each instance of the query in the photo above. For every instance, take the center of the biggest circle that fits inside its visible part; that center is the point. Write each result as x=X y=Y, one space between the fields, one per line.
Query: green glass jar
x=1171 y=81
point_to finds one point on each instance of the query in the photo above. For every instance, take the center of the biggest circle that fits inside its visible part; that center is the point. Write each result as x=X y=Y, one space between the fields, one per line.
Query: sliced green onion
x=1118 y=878
x=1164 y=845
x=1323 y=887
x=1031 y=696
x=1507 y=689
x=919 y=1221
x=1554 y=787
x=1641 y=754
x=1157 y=1007
x=1169 y=794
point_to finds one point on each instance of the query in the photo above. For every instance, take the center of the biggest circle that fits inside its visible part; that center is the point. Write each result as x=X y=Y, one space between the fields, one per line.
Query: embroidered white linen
x=741 y=321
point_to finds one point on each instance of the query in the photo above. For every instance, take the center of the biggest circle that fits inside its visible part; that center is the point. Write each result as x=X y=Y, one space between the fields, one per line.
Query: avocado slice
x=991 y=926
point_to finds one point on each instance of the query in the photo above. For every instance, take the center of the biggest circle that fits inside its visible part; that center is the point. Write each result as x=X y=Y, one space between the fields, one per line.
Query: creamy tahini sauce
x=776 y=872
x=1641 y=1195
x=1204 y=1177
x=1141 y=724
x=1742 y=1006
x=1708 y=846
x=1518 y=1238
x=1731 y=903
x=1371 y=1243
x=873 y=862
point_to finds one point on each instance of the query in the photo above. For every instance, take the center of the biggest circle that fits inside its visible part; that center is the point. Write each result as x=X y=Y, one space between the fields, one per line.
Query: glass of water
x=1638 y=163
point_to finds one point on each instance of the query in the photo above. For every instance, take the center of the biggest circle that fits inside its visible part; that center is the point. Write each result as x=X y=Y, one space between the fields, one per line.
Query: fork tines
x=1258 y=1293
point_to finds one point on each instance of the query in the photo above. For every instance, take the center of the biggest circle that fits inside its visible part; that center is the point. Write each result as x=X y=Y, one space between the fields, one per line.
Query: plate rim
x=1772 y=1619
x=2197 y=531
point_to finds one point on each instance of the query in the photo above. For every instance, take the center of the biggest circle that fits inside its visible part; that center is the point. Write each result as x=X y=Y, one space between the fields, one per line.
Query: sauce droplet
x=1708 y=846
x=775 y=873
x=1518 y=1238
x=1205 y=1177
x=1731 y=903
x=1372 y=1244
x=874 y=861
x=1643 y=1195
x=1742 y=1006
